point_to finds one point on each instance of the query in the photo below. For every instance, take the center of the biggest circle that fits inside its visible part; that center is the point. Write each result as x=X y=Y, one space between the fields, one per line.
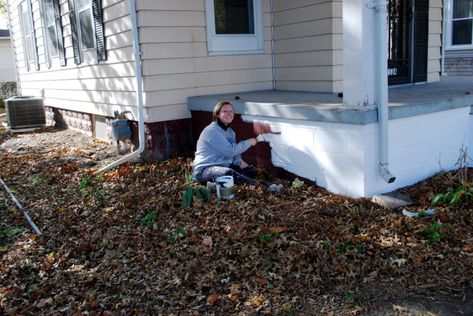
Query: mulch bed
x=121 y=242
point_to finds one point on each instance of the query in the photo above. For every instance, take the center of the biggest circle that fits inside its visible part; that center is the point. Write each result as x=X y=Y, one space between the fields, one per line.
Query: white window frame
x=449 y=29
x=53 y=59
x=231 y=44
x=88 y=55
x=26 y=21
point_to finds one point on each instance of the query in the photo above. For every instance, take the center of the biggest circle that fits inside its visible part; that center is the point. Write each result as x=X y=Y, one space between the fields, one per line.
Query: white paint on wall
x=343 y=158
x=421 y=146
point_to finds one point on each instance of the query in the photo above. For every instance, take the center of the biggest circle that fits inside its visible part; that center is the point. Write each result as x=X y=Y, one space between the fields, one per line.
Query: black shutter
x=74 y=34
x=99 y=29
x=421 y=39
x=33 y=34
x=59 y=34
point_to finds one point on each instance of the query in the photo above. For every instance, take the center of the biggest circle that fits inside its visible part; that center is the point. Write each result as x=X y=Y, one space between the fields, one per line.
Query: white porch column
x=358 y=53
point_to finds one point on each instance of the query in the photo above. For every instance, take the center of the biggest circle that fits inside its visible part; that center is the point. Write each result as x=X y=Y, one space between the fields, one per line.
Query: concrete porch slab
x=404 y=101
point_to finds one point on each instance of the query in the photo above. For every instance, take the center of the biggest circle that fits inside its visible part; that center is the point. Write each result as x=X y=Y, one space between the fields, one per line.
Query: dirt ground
x=123 y=244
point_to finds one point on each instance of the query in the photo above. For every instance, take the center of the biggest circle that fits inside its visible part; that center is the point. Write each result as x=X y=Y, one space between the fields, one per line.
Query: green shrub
x=464 y=193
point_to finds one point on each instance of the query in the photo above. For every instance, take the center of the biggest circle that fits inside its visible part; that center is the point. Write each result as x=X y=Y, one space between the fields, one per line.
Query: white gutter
x=381 y=68
x=139 y=92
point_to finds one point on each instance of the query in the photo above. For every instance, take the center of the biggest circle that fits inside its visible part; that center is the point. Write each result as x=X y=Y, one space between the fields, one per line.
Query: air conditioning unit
x=25 y=112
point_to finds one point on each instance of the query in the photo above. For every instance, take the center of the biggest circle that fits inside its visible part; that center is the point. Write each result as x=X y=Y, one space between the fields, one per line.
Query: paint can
x=225 y=187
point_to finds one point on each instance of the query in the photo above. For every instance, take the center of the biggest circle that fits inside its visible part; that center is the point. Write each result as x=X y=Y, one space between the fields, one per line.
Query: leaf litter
x=121 y=243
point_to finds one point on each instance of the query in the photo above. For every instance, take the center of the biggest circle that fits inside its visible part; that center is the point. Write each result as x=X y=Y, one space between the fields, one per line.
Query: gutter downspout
x=381 y=76
x=273 y=45
x=444 y=37
x=139 y=92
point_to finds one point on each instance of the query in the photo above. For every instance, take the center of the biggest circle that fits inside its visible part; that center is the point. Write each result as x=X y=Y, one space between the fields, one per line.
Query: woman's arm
x=225 y=144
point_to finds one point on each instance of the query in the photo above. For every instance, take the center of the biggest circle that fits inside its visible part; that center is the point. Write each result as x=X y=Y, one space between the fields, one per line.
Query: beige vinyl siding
x=435 y=36
x=97 y=88
x=176 y=63
x=308 y=45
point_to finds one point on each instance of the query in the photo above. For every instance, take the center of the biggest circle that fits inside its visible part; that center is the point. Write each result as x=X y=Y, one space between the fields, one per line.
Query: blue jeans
x=239 y=175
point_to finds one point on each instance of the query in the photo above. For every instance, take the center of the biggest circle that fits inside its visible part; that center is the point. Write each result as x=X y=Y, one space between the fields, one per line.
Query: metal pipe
x=139 y=92
x=381 y=76
x=9 y=196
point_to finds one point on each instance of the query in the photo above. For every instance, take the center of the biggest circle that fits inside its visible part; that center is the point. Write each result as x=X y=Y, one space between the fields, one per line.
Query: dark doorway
x=408 y=22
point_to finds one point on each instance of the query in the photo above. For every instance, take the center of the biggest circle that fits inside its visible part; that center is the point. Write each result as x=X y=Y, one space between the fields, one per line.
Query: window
x=28 y=35
x=87 y=30
x=54 y=42
x=459 y=24
x=234 y=26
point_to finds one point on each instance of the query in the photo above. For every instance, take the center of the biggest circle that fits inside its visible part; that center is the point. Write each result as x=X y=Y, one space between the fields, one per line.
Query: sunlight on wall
x=314 y=151
x=343 y=158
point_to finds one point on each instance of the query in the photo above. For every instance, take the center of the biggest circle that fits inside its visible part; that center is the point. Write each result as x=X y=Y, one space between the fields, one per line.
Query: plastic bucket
x=225 y=187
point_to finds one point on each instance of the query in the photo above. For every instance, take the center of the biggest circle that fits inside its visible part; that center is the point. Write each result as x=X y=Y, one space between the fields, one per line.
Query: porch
x=321 y=139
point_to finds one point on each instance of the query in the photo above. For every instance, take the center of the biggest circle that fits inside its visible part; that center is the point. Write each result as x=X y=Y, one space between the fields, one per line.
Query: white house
x=7 y=65
x=314 y=71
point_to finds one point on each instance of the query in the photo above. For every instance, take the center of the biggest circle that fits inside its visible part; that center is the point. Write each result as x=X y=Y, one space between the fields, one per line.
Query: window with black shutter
x=87 y=30
x=99 y=32
x=54 y=42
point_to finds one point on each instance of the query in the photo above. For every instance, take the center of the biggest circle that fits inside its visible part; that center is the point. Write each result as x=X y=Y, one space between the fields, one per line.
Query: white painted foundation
x=343 y=158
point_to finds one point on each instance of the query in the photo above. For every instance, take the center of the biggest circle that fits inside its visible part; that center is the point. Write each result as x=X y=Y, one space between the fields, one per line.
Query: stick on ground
x=12 y=198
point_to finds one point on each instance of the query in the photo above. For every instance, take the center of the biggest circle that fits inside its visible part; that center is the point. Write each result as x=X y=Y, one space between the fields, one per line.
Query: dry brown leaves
x=121 y=243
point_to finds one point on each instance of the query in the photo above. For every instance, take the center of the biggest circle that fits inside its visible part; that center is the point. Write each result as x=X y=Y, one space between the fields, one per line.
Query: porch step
x=392 y=200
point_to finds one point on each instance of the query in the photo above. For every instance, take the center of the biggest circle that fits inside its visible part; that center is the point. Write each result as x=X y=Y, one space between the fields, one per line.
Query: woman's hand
x=243 y=164
x=253 y=141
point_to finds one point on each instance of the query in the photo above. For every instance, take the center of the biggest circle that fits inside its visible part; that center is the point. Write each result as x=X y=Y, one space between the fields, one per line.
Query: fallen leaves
x=122 y=243
x=256 y=301
x=207 y=241
x=45 y=301
x=213 y=298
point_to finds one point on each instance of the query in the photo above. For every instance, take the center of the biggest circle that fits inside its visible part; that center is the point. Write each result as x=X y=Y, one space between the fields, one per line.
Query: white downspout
x=139 y=92
x=273 y=47
x=381 y=53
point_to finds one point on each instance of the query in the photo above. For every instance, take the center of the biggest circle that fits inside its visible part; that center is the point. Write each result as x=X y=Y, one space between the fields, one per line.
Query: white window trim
x=88 y=55
x=235 y=43
x=53 y=59
x=448 y=36
x=29 y=60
